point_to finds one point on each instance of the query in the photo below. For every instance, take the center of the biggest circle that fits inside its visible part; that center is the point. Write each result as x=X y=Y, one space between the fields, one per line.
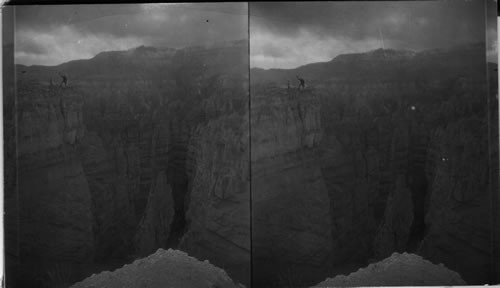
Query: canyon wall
x=218 y=211
x=457 y=218
x=107 y=167
x=154 y=229
x=290 y=208
x=413 y=141
x=377 y=147
x=309 y=183
x=53 y=196
x=370 y=151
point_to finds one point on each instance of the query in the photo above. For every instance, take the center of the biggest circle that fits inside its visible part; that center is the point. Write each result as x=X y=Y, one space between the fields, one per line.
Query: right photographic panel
x=374 y=143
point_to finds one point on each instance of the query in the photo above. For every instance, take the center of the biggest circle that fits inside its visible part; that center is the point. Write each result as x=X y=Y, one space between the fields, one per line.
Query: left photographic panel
x=126 y=145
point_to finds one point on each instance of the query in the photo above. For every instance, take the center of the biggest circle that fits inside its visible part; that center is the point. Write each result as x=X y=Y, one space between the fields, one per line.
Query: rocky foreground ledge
x=173 y=268
x=163 y=269
x=398 y=270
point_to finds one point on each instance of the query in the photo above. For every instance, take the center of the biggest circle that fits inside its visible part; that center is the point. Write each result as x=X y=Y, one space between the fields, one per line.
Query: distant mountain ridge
x=380 y=65
x=222 y=58
x=385 y=65
x=144 y=50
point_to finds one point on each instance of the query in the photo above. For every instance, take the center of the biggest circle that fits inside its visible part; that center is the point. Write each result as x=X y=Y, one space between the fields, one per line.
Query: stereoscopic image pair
x=287 y=144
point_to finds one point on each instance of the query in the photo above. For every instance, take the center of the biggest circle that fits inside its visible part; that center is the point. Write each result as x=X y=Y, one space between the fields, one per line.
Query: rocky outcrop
x=112 y=199
x=218 y=215
x=122 y=152
x=51 y=197
x=361 y=156
x=398 y=270
x=47 y=118
x=165 y=268
x=54 y=195
x=394 y=232
x=290 y=206
x=283 y=122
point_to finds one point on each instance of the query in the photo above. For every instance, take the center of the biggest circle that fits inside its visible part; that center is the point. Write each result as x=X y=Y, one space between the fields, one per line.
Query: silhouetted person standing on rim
x=64 y=79
x=302 y=83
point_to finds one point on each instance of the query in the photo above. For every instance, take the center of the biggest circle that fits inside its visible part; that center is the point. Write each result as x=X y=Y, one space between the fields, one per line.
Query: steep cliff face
x=359 y=162
x=374 y=147
x=53 y=193
x=378 y=155
x=290 y=207
x=47 y=117
x=394 y=232
x=408 y=141
x=457 y=218
x=283 y=121
x=154 y=228
x=355 y=143
x=116 y=144
x=111 y=196
x=123 y=150
x=218 y=213
x=402 y=225
x=396 y=145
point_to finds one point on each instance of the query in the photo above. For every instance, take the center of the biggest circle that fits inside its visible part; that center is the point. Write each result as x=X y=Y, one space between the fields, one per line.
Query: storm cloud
x=282 y=34
x=319 y=31
x=49 y=35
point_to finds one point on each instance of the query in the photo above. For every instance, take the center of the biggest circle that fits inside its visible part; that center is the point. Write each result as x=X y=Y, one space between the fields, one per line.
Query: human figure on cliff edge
x=64 y=79
x=302 y=82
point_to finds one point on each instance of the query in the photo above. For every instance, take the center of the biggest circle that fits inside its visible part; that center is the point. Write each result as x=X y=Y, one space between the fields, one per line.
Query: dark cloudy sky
x=50 y=35
x=287 y=35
